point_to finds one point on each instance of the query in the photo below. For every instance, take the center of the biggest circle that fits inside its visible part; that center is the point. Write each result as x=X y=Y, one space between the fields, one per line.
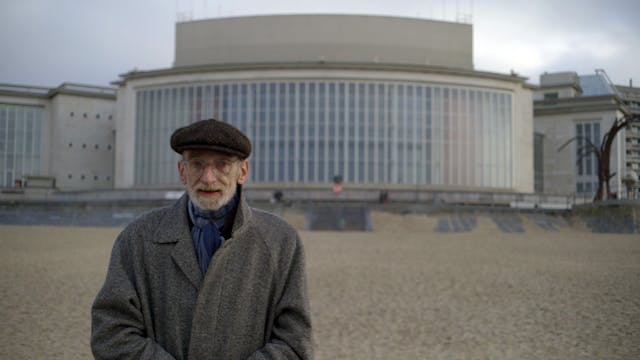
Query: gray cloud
x=47 y=42
x=536 y=36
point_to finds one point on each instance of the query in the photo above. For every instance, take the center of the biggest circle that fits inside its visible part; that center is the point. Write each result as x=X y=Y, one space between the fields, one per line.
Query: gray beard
x=221 y=202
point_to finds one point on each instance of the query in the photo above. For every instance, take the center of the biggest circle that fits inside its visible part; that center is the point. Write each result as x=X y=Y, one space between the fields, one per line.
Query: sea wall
x=604 y=217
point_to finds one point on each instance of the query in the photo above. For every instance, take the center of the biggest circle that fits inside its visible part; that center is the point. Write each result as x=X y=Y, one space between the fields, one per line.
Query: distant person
x=208 y=277
x=277 y=197
x=383 y=198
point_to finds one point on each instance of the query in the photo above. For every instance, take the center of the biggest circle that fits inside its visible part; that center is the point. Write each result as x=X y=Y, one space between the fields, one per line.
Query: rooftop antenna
x=466 y=14
x=183 y=15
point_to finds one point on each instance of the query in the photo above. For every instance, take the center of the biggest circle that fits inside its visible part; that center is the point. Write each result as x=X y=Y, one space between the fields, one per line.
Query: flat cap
x=213 y=135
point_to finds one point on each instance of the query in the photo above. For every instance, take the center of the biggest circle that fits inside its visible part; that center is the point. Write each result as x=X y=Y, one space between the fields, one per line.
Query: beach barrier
x=339 y=217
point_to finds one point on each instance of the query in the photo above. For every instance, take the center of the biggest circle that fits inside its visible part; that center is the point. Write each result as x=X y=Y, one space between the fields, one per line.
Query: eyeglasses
x=196 y=167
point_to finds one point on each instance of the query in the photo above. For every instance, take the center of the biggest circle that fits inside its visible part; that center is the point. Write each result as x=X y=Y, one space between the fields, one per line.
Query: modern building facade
x=374 y=100
x=631 y=100
x=57 y=137
x=583 y=108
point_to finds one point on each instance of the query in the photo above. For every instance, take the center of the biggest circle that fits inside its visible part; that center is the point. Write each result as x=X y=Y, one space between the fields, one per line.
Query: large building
x=583 y=108
x=59 y=137
x=374 y=100
x=377 y=101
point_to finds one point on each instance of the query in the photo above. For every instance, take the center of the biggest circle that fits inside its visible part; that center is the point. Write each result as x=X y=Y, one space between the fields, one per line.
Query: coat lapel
x=184 y=256
x=178 y=232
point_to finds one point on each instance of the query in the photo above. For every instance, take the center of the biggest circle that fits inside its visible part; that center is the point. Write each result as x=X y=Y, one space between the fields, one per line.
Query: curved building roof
x=324 y=38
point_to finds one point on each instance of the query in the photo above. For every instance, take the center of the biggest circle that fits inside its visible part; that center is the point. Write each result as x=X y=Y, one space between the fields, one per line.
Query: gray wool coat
x=251 y=304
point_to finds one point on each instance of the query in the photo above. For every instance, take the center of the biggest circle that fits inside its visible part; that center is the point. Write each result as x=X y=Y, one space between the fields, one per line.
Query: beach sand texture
x=402 y=291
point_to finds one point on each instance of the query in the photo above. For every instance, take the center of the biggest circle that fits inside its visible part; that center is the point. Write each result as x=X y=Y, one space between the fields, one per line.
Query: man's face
x=211 y=178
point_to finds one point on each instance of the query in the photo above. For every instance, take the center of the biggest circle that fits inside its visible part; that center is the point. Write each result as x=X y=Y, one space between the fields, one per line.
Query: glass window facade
x=308 y=131
x=20 y=141
x=587 y=135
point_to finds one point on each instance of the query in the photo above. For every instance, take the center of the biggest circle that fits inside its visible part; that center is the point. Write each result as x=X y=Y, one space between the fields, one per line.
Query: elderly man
x=208 y=277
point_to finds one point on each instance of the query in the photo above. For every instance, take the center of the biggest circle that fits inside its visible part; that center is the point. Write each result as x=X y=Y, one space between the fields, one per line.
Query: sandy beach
x=402 y=291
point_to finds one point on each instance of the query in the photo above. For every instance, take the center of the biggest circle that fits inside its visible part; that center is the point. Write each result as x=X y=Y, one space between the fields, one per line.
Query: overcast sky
x=48 y=42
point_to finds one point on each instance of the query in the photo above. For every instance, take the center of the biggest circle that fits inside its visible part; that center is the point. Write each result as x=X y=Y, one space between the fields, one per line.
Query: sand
x=402 y=291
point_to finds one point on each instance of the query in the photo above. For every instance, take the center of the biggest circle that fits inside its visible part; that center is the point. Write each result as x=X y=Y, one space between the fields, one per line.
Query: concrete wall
x=560 y=166
x=568 y=78
x=523 y=140
x=562 y=93
x=324 y=38
x=125 y=137
x=82 y=142
x=563 y=84
x=77 y=138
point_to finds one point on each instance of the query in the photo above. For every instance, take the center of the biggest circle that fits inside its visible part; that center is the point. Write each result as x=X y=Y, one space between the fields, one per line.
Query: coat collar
x=174 y=224
x=175 y=229
x=243 y=214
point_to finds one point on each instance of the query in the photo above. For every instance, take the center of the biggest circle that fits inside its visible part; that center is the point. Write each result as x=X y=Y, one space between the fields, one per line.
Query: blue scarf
x=206 y=230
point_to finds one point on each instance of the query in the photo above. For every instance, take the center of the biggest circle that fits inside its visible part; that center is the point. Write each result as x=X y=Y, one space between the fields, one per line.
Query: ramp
x=456 y=223
x=339 y=218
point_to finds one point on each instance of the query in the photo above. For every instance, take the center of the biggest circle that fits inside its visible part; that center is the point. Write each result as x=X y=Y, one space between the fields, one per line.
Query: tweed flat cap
x=211 y=135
